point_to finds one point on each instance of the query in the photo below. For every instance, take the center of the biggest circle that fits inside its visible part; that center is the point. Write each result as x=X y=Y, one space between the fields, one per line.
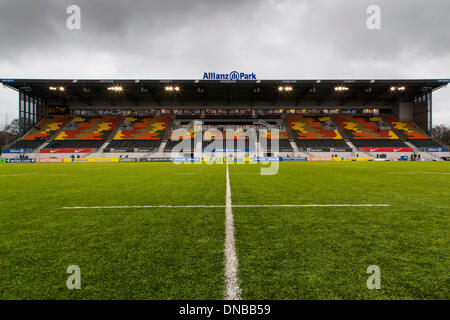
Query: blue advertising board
x=435 y=149
x=20 y=150
x=20 y=160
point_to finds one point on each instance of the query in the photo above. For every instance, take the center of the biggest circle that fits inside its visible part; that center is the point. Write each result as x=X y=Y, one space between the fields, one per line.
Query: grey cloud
x=275 y=38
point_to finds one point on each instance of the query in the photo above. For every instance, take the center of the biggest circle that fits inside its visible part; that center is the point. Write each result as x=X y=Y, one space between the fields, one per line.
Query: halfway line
x=233 y=292
x=234 y=206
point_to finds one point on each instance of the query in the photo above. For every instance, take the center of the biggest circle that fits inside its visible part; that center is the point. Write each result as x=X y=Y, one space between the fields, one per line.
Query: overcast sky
x=311 y=39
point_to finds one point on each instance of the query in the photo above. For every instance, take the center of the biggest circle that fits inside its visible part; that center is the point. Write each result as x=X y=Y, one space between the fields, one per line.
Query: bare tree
x=13 y=128
x=441 y=133
x=6 y=138
x=10 y=133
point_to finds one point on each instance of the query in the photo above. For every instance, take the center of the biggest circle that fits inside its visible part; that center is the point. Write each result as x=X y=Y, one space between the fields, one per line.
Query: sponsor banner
x=67 y=150
x=225 y=159
x=127 y=160
x=137 y=150
x=266 y=159
x=320 y=159
x=434 y=149
x=328 y=149
x=218 y=150
x=91 y=160
x=155 y=160
x=294 y=159
x=185 y=159
x=48 y=160
x=387 y=149
x=20 y=160
x=353 y=158
x=21 y=150
x=2 y=160
x=340 y=150
x=359 y=158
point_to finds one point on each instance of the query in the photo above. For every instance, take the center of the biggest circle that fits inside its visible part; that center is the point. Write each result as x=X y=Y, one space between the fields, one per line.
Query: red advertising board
x=76 y=150
x=388 y=149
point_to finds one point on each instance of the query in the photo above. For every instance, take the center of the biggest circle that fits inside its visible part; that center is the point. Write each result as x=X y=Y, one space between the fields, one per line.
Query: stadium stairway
x=10 y=145
x=409 y=144
x=425 y=155
x=112 y=135
x=51 y=138
x=290 y=135
x=341 y=130
x=166 y=136
x=355 y=149
x=265 y=124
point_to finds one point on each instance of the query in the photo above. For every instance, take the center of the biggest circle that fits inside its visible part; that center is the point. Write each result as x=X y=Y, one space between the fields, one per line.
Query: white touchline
x=233 y=292
x=235 y=206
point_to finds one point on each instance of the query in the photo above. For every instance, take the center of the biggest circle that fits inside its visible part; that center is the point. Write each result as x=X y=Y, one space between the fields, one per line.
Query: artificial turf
x=177 y=253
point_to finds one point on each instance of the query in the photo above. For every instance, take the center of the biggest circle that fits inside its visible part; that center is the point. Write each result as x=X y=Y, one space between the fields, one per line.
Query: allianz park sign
x=233 y=75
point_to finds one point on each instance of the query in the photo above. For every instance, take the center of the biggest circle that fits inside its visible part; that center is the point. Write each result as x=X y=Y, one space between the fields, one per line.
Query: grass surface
x=284 y=253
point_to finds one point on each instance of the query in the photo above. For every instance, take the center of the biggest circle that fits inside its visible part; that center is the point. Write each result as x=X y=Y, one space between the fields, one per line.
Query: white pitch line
x=418 y=172
x=308 y=205
x=19 y=174
x=235 y=206
x=141 y=207
x=246 y=173
x=233 y=292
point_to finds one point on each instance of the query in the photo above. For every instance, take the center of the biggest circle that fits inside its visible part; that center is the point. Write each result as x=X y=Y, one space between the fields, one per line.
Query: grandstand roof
x=226 y=92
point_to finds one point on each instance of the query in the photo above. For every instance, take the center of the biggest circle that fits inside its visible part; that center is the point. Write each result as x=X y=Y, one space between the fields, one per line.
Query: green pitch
x=178 y=252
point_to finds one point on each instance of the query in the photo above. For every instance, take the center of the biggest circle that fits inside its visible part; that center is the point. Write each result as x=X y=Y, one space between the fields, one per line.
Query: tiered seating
x=369 y=132
x=316 y=134
x=323 y=145
x=84 y=132
x=379 y=143
x=234 y=137
x=284 y=145
x=230 y=145
x=173 y=140
x=426 y=143
x=363 y=128
x=408 y=128
x=312 y=128
x=139 y=134
x=41 y=132
x=26 y=144
x=143 y=128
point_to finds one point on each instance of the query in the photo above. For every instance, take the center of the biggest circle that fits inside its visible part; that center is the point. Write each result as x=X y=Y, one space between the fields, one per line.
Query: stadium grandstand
x=289 y=118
